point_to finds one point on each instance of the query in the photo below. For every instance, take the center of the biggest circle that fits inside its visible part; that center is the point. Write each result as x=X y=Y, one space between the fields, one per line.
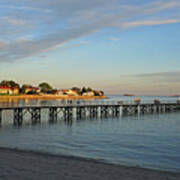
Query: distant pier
x=88 y=109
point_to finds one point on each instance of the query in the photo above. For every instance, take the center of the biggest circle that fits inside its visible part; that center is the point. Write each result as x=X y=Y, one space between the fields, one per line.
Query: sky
x=119 y=46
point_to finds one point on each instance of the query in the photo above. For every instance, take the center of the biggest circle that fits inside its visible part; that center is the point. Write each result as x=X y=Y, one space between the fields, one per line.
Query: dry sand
x=18 y=165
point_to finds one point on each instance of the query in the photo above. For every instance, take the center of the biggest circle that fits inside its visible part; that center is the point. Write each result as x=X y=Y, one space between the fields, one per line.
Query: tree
x=11 y=84
x=102 y=93
x=23 y=88
x=89 y=89
x=77 y=90
x=45 y=87
x=83 y=90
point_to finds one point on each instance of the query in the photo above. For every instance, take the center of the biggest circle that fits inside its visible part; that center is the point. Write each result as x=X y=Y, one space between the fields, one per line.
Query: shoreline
x=41 y=165
x=49 y=97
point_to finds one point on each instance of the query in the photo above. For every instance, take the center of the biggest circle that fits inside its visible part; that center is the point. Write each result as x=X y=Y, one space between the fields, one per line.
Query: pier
x=92 y=109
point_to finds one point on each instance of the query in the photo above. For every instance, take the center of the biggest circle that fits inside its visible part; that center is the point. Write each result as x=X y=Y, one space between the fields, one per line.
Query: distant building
x=5 y=90
x=27 y=90
x=90 y=93
x=15 y=90
x=61 y=92
x=9 y=90
x=99 y=93
x=72 y=93
x=32 y=89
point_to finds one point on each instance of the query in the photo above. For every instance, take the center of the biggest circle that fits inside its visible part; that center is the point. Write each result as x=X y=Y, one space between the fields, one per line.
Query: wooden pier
x=87 y=109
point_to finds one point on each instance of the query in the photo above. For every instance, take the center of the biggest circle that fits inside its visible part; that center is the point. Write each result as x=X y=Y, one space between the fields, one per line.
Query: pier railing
x=71 y=103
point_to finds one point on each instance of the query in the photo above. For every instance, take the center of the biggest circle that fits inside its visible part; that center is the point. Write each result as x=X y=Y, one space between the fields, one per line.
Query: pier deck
x=92 y=109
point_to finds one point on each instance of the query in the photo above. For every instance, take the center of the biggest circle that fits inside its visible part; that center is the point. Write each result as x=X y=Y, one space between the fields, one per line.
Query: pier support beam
x=53 y=114
x=74 y=111
x=36 y=115
x=99 y=111
x=93 y=111
x=121 y=110
x=68 y=113
x=18 y=116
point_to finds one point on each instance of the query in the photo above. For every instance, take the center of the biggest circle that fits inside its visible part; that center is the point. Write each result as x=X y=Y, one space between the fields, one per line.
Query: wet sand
x=23 y=165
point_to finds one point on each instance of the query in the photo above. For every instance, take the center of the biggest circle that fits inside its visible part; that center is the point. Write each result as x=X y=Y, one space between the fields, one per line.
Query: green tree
x=45 y=87
x=9 y=83
x=84 y=90
x=89 y=89
x=23 y=88
x=77 y=90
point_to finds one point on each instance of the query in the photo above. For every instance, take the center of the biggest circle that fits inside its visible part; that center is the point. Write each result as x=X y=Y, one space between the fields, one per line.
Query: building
x=31 y=89
x=90 y=93
x=9 y=90
x=15 y=90
x=5 y=90
x=72 y=93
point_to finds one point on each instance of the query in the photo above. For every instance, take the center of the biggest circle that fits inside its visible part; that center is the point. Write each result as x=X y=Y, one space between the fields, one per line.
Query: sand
x=47 y=97
x=23 y=165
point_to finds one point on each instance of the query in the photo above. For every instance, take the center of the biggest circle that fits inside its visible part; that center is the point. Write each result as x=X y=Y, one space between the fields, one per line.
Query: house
x=27 y=90
x=68 y=92
x=61 y=92
x=89 y=93
x=15 y=90
x=71 y=92
x=5 y=90
x=9 y=90
x=31 y=89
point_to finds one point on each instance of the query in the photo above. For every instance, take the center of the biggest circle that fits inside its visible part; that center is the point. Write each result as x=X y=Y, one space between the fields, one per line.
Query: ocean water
x=151 y=141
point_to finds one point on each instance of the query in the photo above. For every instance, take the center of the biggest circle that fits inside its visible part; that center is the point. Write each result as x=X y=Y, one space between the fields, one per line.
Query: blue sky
x=119 y=46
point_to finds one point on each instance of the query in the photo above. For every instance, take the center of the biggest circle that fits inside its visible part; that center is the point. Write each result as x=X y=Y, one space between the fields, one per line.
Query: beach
x=20 y=165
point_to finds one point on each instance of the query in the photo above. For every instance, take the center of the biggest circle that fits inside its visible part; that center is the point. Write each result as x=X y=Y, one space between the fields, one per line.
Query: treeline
x=27 y=88
x=46 y=88
x=10 y=84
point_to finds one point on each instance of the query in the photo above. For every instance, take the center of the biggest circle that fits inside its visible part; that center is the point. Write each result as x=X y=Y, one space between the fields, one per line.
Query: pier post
x=52 y=114
x=68 y=113
x=139 y=109
x=74 y=112
x=120 y=110
x=99 y=111
x=164 y=108
x=117 y=112
x=18 y=116
x=155 y=108
x=88 y=112
x=36 y=115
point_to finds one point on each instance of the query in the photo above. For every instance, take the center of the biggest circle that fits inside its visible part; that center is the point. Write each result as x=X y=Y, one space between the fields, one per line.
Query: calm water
x=151 y=141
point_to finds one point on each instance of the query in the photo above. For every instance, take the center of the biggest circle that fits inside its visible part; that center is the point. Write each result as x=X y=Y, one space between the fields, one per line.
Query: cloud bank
x=31 y=27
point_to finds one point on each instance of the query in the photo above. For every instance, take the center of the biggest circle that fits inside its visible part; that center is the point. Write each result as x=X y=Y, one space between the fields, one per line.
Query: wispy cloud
x=114 y=39
x=24 y=8
x=71 y=20
x=162 y=77
x=14 y=21
x=148 y=23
